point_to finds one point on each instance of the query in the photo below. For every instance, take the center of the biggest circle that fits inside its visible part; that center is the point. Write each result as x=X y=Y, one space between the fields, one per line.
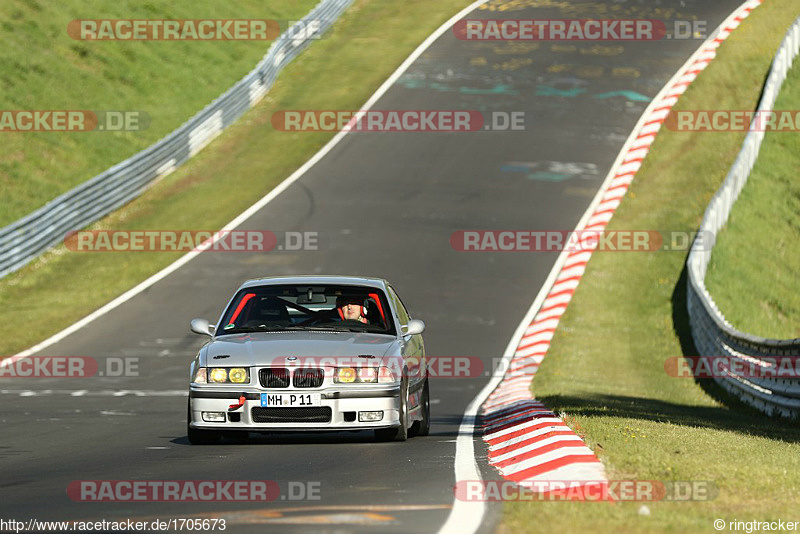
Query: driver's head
x=350 y=308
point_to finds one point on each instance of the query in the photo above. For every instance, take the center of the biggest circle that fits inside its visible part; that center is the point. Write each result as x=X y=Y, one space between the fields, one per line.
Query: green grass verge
x=753 y=271
x=243 y=164
x=605 y=368
x=45 y=69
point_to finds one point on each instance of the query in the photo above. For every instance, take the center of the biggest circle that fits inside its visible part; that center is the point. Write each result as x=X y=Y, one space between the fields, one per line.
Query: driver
x=351 y=308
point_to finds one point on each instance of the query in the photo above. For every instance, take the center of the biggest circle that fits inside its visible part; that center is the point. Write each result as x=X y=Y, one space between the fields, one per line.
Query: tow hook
x=234 y=407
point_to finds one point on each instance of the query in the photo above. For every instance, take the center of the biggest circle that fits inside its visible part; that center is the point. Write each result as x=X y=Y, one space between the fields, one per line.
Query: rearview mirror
x=200 y=326
x=414 y=326
x=311 y=295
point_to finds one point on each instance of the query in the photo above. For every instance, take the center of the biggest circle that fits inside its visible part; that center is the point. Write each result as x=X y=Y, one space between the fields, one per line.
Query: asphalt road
x=384 y=204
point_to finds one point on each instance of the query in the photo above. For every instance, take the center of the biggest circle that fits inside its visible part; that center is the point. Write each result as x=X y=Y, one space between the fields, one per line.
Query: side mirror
x=414 y=326
x=200 y=326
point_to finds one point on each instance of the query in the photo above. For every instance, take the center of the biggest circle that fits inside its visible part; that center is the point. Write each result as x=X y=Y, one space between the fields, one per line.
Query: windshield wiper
x=259 y=328
x=339 y=328
x=281 y=328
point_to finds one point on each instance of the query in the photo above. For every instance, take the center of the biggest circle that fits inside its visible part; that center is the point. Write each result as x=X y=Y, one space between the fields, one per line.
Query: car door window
x=402 y=313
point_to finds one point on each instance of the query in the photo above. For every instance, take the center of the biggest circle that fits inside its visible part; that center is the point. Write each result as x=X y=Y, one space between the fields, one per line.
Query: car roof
x=317 y=279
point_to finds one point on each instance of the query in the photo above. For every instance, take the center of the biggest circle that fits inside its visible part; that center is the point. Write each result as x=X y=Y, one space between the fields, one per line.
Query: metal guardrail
x=713 y=335
x=27 y=238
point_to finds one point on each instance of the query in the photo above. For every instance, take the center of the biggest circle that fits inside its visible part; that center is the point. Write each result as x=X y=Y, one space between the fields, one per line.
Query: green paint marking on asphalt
x=500 y=89
x=546 y=90
x=630 y=95
x=549 y=176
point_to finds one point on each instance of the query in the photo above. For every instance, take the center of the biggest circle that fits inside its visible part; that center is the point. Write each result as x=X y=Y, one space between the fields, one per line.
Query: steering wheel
x=351 y=322
x=313 y=321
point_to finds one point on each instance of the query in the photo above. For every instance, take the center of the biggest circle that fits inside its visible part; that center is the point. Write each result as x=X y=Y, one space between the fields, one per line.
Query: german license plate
x=290 y=400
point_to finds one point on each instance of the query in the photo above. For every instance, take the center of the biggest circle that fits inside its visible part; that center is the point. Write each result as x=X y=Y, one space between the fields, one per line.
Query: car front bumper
x=344 y=403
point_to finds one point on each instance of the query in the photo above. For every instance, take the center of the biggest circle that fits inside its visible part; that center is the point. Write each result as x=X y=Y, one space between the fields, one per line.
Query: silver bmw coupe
x=308 y=353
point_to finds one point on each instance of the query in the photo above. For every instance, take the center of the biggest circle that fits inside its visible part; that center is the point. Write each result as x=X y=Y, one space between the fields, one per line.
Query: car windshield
x=276 y=308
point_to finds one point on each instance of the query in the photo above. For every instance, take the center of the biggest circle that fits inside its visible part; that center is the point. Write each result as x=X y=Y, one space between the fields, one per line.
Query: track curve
x=387 y=204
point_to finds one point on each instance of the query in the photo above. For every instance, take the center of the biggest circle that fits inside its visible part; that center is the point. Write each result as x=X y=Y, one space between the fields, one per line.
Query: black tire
x=423 y=428
x=397 y=433
x=197 y=436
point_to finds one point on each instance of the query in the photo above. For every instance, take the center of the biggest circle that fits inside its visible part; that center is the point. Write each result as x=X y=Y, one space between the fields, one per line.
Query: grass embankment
x=244 y=163
x=753 y=271
x=605 y=368
x=45 y=69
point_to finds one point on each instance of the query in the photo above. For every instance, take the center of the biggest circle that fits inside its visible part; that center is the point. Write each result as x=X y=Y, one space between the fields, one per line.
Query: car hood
x=262 y=348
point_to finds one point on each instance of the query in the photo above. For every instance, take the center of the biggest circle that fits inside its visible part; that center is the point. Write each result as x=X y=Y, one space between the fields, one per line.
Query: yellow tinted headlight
x=218 y=374
x=238 y=375
x=346 y=374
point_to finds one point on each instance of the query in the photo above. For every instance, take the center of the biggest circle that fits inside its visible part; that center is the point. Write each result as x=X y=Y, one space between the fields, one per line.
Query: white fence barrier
x=713 y=335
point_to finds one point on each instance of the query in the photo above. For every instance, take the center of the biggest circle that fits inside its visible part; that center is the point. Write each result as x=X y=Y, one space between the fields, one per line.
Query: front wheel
x=423 y=428
x=398 y=433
